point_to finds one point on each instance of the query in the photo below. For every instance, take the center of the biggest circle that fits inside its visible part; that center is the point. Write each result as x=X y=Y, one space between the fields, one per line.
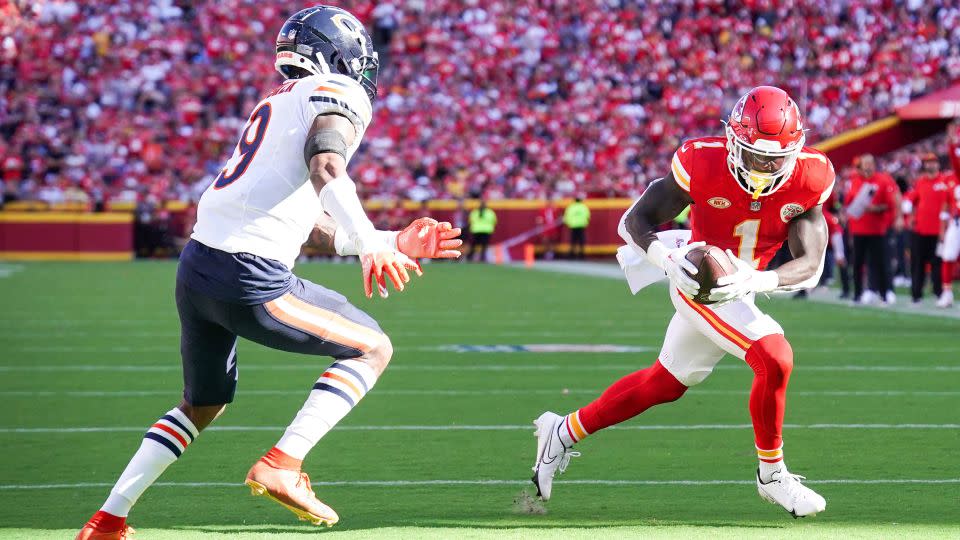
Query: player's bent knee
x=380 y=354
x=670 y=387
x=201 y=415
x=771 y=356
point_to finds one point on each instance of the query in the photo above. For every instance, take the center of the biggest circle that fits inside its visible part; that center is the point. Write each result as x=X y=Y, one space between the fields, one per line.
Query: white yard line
x=413 y=483
x=455 y=393
x=473 y=366
x=611 y=270
x=503 y=427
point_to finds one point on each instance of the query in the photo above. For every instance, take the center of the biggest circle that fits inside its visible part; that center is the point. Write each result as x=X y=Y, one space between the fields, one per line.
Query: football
x=712 y=263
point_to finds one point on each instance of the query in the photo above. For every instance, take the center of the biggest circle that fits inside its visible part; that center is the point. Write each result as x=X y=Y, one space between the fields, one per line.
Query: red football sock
x=277 y=459
x=947 y=275
x=631 y=396
x=106 y=522
x=772 y=360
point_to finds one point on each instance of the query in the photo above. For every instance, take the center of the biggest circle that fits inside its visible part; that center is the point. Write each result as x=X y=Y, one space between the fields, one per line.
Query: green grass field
x=442 y=447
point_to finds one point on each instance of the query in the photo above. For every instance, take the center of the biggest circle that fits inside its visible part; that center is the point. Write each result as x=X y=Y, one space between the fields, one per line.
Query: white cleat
x=785 y=489
x=945 y=300
x=552 y=456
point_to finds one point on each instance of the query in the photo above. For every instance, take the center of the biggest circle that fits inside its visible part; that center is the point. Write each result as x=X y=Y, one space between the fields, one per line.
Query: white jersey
x=263 y=202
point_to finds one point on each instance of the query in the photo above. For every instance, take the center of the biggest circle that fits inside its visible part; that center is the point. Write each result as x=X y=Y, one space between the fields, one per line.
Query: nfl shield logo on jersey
x=754 y=206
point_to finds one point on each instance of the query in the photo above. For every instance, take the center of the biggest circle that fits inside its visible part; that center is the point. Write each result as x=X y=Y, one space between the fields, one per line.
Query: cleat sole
x=773 y=501
x=259 y=490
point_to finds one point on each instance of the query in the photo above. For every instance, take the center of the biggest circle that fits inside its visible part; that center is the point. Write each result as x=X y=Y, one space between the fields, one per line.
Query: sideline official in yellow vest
x=482 y=222
x=576 y=217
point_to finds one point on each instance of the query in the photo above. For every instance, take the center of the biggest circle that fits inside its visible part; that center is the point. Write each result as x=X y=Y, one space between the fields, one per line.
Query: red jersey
x=873 y=223
x=953 y=149
x=725 y=215
x=953 y=198
x=930 y=197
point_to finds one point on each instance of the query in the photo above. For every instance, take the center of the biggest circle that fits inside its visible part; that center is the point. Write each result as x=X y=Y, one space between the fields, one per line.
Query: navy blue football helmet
x=327 y=39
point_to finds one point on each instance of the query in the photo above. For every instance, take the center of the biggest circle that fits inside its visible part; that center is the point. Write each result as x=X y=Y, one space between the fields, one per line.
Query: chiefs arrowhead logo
x=719 y=202
x=790 y=211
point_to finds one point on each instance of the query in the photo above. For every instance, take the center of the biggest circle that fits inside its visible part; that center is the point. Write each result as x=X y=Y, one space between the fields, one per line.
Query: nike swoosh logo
x=546 y=458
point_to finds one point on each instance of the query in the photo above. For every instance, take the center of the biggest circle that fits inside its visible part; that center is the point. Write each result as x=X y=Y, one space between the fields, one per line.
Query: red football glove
x=387 y=262
x=426 y=238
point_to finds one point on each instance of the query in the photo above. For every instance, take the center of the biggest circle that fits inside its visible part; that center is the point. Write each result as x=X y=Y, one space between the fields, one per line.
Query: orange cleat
x=291 y=489
x=104 y=526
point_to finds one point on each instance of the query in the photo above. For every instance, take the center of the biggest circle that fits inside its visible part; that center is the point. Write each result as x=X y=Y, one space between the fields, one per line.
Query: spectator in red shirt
x=927 y=201
x=871 y=203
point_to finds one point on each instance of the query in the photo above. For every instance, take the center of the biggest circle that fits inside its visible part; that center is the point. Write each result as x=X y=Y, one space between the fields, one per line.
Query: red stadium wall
x=109 y=236
x=41 y=236
x=877 y=138
x=516 y=217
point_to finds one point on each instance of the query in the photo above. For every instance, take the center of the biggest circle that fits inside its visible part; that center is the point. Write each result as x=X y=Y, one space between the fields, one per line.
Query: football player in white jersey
x=286 y=179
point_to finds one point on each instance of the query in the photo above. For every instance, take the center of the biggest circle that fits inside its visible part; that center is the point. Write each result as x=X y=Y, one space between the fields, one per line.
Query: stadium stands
x=142 y=101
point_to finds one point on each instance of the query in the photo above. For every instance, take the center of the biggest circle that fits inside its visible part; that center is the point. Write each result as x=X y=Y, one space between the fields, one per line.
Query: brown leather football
x=712 y=263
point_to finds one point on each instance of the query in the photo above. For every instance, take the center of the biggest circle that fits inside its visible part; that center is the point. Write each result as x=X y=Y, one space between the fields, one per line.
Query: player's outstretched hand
x=744 y=281
x=680 y=270
x=386 y=263
x=427 y=238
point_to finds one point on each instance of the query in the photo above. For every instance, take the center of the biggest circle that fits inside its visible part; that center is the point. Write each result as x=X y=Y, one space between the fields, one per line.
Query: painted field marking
x=449 y=367
x=410 y=483
x=297 y=392
x=504 y=427
x=7 y=270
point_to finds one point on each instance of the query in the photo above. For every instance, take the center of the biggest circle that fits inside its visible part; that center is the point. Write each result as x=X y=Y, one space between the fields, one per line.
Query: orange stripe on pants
x=324 y=324
x=718 y=324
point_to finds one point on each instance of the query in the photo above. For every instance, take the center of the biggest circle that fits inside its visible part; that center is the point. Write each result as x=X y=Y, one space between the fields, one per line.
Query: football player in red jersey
x=750 y=191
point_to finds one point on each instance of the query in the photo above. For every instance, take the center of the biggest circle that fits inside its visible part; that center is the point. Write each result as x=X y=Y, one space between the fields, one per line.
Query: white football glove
x=744 y=281
x=939 y=250
x=675 y=264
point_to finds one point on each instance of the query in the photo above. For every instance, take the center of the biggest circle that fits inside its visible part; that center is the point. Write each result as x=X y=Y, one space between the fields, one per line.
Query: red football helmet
x=764 y=138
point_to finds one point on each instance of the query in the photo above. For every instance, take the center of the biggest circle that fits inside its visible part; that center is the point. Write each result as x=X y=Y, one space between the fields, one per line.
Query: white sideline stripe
x=306 y=366
x=468 y=427
x=299 y=392
x=172 y=348
x=592 y=482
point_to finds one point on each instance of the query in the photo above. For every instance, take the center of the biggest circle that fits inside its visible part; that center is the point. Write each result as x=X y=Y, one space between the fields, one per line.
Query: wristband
x=767 y=281
x=344 y=247
x=657 y=253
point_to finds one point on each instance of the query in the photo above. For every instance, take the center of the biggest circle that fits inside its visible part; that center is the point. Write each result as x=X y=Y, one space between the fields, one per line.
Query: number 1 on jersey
x=250 y=142
x=748 y=231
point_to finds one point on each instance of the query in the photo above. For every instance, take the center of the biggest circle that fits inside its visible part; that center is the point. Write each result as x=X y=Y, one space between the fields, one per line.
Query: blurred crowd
x=143 y=101
x=895 y=222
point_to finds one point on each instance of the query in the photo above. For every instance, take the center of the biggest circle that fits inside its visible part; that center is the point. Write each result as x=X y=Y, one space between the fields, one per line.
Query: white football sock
x=336 y=392
x=771 y=461
x=571 y=431
x=161 y=446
